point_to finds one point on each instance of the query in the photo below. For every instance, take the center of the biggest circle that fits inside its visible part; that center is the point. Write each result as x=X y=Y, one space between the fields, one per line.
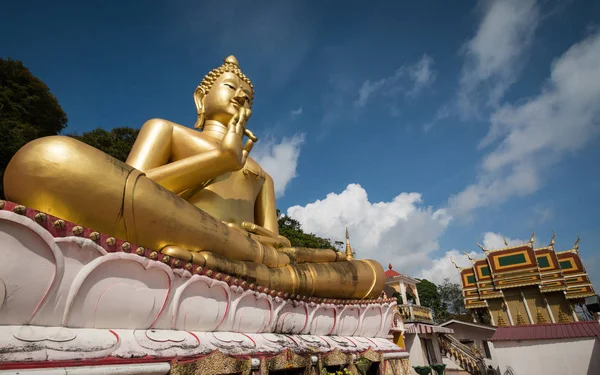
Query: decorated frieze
x=57 y=274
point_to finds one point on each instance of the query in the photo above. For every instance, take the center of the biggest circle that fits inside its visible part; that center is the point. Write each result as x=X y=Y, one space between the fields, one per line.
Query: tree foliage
x=445 y=300
x=116 y=143
x=451 y=297
x=28 y=110
x=429 y=297
x=292 y=230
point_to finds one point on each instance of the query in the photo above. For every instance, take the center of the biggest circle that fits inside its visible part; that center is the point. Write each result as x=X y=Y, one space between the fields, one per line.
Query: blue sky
x=422 y=126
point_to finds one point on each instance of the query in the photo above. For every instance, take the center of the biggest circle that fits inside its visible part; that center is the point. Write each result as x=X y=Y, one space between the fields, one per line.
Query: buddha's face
x=225 y=98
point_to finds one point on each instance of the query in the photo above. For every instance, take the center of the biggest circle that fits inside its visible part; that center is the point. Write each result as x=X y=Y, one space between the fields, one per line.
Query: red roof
x=390 y=272
x=548 y=331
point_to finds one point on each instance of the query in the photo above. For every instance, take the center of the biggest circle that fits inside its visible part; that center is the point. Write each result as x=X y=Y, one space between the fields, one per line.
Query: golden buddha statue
x=194 y=195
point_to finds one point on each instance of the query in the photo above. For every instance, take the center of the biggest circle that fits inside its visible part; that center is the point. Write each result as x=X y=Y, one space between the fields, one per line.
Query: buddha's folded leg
x=354 y=279
x=76 y=182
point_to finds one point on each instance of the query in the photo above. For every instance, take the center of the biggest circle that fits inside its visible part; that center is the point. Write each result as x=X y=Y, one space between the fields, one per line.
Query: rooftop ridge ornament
x=451 y=260
x=468 y=256
x=576 y=245
x=481 y=246
x=505 y=242
x=532 y=238
x=553 y=240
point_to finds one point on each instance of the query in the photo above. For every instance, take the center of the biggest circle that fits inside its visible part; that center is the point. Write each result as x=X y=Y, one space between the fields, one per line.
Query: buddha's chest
x=242 y=184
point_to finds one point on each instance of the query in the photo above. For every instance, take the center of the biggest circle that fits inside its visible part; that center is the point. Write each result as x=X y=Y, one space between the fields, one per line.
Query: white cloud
x=531 y=136
x=421 y=74
x=495 y=55
x=295 y=113
x=411 y=79
x=493 y=241
x=279 y=160
x=442 y=113
x=442 y=268
x=402 y=231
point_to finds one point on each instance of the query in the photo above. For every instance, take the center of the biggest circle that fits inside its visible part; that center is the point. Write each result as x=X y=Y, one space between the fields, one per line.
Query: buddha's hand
x=232 y=150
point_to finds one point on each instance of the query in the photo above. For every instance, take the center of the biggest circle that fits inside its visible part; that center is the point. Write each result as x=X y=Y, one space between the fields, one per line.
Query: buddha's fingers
x=257 y=229
x=269 y=241
x=287 y=242
x=233 y=122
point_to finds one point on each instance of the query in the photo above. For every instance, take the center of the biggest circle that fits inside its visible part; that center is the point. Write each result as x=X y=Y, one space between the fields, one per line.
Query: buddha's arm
x=265 y=215
x=265 y=209
x=191 y=172
x=196 y=170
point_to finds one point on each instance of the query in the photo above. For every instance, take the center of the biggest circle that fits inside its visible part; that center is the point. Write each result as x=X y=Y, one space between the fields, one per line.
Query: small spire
x=553 y=240
x=468 y=256
x=576 y=246
x=349 y=252
x=452 y=260
x=390 y=265
x=505 y=241
x=532 y=239
x=480 y=246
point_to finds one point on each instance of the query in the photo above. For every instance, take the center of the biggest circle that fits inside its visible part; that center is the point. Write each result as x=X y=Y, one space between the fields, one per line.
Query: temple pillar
x=403 y=293
x=510 y=318
x=416 y=293
x=549 y=310
x=531 y=321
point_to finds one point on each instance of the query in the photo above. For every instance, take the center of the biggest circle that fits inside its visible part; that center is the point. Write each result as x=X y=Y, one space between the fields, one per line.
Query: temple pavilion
x=522 y=284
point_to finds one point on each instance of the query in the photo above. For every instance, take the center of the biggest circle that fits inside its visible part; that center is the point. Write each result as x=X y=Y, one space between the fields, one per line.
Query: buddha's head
x=222 y=92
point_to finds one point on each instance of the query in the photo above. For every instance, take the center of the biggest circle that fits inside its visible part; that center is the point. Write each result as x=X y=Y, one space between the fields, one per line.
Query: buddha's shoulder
x=193 y=138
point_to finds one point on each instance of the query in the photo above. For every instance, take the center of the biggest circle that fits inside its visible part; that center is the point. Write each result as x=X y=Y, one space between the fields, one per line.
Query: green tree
x=292 y=230
x=429 y=296
x=28 y=110
x=116 y=143
x=451 y=297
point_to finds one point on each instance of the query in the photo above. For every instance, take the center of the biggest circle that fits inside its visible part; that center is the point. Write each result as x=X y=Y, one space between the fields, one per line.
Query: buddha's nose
x=241 y=97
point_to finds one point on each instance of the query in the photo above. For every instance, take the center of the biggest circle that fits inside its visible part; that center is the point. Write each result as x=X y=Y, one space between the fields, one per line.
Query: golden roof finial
x=576 y=246
x=468 y=256
x=480 y=246
x=452 y=260
x=553 y=240
x=505 y=241
x=349 y=252
x=532 y=239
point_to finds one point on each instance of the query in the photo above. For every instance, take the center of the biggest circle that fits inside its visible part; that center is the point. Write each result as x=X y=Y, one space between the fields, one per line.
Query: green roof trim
x=543 y=262
x=511 y=260
x=565 y=265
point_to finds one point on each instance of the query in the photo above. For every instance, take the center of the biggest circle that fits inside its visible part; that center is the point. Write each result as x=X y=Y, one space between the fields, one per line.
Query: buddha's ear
x=199 y=96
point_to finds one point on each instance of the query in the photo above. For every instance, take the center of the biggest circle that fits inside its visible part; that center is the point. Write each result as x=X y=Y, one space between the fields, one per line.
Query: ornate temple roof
x=522 y=265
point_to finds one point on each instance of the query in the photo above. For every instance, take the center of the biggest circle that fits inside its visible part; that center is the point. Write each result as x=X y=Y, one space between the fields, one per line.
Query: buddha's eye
x=230 y=86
